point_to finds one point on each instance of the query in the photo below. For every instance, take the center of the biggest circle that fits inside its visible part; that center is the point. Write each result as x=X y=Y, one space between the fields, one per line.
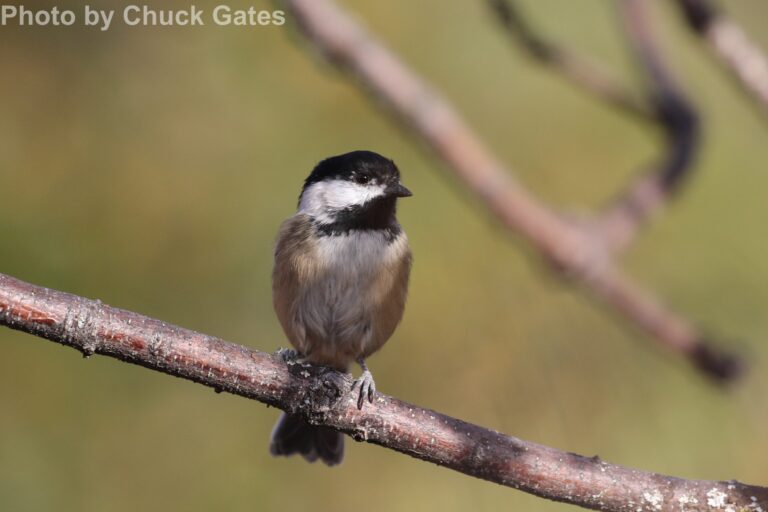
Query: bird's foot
x=367 y=386
x=289 y=356
x=334 y=382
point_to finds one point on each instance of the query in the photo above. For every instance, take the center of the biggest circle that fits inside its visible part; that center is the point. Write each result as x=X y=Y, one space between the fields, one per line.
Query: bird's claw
x=334 y=382
x=288 y=355
x=367 y=388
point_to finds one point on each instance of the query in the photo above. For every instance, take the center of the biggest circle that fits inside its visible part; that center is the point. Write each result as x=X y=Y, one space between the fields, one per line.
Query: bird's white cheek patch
x=323 y=196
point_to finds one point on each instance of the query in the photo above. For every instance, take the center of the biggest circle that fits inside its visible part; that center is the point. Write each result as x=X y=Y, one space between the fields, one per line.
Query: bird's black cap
x=359 y=166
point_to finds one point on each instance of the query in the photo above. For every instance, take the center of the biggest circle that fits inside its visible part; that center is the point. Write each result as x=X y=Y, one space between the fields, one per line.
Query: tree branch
x=95 y=328
x=575 y=251
x=741 y=57
x=666 y=106
x=581 y=72
x=621 y=222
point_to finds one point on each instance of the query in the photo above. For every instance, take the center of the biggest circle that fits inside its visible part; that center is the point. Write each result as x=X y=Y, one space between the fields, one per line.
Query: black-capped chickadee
x=340 y=281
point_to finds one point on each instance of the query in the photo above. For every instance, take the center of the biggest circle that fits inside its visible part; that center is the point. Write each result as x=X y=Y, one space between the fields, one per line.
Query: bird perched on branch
x=340 y=281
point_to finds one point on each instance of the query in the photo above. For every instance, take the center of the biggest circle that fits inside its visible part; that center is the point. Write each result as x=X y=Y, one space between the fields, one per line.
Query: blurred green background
x=150 y=168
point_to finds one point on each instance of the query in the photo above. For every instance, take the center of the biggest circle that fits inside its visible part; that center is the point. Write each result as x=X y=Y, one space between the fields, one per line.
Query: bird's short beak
x=398 y=190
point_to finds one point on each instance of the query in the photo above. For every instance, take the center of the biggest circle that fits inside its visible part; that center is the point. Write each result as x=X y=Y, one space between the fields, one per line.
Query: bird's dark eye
x=362 y=178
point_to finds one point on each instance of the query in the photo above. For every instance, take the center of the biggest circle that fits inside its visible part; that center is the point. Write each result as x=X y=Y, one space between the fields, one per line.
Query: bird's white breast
x=359 y=253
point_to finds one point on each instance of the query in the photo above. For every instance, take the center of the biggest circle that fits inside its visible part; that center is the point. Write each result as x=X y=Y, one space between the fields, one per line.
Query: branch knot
x=78 y=326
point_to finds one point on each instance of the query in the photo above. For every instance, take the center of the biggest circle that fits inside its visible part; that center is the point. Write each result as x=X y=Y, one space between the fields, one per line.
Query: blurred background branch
x=582 y=72
x=620 y=224
x=729 y=43
x=323 y=397
x=576 y=252
x=664 y=105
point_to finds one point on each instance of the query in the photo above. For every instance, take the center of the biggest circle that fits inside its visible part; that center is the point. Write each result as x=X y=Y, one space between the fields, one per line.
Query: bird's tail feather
x=294 y=435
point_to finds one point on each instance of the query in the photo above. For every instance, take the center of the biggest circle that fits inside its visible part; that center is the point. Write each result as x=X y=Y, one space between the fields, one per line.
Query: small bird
x=340 y=281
